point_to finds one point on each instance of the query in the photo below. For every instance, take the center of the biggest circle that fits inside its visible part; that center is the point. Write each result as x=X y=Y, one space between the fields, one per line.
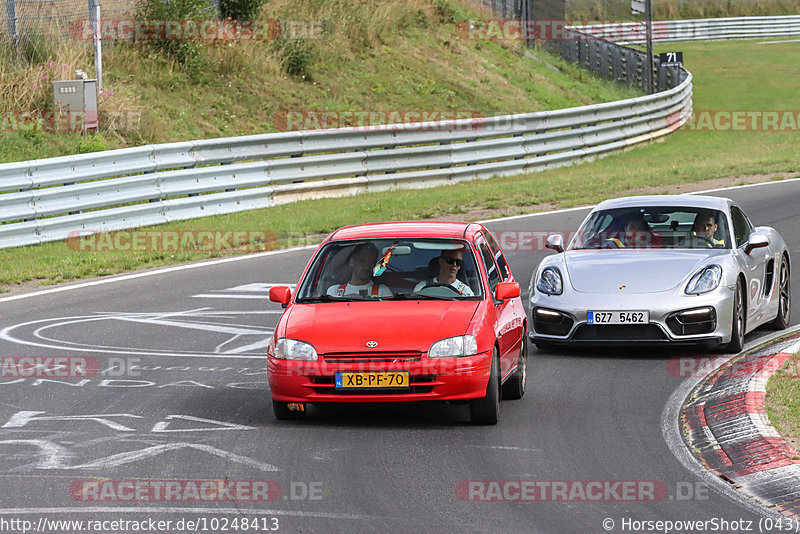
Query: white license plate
x=618 y=317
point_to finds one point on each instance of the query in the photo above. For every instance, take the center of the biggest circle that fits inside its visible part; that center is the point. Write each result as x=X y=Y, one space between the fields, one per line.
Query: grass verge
x=783 y=401
x=686 y=157
x=382 y=55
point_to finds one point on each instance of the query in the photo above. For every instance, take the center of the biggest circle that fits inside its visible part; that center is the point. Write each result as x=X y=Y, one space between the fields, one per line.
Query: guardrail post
x=13 y=28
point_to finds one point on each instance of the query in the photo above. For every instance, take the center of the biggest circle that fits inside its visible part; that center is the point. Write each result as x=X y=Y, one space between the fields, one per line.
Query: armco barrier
x=46 y=200
x=698 y=29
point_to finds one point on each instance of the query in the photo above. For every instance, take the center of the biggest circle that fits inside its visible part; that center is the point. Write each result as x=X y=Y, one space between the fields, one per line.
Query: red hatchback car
x=396 y=312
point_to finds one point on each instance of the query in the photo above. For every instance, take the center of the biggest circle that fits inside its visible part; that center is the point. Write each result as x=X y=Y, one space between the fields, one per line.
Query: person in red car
x=361 y=262
x=450 y=263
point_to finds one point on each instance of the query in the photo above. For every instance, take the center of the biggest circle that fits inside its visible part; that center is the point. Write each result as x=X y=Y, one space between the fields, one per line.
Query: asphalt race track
x=181 y=393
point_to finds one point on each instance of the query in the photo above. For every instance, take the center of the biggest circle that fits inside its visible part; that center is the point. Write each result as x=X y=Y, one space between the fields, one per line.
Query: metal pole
x=11 y=17
x=94 y=16
x=649 y=15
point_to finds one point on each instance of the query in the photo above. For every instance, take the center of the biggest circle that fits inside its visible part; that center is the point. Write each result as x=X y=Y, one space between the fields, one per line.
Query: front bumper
x=572 y=327
x=430 y=379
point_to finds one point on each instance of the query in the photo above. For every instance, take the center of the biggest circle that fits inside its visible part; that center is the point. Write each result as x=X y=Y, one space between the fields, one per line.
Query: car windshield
x=653 y=227
x=392 y=269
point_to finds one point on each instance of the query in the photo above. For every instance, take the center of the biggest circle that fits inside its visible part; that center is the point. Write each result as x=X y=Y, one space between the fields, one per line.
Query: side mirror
x=756 y=241
x=506 y=290
x=555 y=242
x=280 y=294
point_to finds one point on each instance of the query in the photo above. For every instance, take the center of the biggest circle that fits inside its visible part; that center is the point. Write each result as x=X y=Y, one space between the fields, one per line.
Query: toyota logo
x=372 y=344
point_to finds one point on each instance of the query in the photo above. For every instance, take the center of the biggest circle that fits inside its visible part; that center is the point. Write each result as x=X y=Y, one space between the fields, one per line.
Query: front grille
x=545 y=322
x=369 y=357
x=693 y=322
x=619 y=332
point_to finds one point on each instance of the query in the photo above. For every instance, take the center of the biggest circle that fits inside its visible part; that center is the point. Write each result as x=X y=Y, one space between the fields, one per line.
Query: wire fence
x=48 y=19
x=608 y=59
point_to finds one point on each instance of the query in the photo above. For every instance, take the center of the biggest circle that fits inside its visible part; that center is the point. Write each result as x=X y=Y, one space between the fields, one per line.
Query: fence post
x=11 y=16
x=94 y=16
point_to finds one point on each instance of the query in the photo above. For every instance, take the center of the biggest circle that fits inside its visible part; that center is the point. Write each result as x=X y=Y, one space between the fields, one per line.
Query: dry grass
x=26 y=86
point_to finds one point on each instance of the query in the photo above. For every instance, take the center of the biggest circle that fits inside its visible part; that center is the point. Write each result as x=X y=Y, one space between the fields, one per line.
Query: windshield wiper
x=326 y=298
x=329 y=298
x=401 y=296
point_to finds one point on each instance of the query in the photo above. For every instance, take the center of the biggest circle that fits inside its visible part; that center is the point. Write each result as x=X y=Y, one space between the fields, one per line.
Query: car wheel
x=784 y=300
x=486 y=411
x=737 y=322
x=514 y=388
x=284 y=413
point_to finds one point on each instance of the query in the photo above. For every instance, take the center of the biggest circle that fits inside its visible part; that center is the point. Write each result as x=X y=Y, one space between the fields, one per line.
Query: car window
x=654 y=227
x=741 y=226
x=411 y=262
x=489 y=264
x=498 y=255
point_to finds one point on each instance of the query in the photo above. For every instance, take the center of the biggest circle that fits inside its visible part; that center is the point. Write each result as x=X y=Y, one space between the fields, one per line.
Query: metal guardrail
x=51 y=199
x=698 y=29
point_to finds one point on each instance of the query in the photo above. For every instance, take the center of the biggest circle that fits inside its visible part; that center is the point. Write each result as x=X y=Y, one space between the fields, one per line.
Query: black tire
x=737 y=323
x=514 y=388
x=781 y=322
x=283 y=413
x=486 y=410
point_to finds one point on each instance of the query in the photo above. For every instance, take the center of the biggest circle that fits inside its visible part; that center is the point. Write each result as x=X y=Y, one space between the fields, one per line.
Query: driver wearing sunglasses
x=450 y=262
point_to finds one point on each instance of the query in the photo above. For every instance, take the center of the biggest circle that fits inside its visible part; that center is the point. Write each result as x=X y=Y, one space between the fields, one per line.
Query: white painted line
x=537 y=214
x=193 y=326
x=263 y=297
x=156 y=272
x=175 y=510
x=503 y=448
x=142 y=454
x=745 y=186
x=176 y=268
x=49 y=343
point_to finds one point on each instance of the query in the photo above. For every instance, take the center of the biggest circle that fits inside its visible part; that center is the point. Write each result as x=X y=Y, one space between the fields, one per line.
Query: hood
x=640 y=271
x=395 y=325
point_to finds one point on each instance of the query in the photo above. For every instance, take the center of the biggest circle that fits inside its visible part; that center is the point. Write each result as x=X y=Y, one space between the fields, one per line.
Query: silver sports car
x=662 y=269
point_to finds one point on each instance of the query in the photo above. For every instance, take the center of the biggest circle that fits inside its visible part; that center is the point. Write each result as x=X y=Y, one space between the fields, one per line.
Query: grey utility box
x=79 y=99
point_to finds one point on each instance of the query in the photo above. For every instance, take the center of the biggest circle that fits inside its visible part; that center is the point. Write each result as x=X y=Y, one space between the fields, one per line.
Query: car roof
x=690 y=201
x=404 y=229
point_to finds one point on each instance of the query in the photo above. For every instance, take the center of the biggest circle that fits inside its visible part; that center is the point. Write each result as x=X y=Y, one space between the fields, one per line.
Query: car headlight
x=705 y=280
x=453 y=347
x=292 y=349
x=550 y=281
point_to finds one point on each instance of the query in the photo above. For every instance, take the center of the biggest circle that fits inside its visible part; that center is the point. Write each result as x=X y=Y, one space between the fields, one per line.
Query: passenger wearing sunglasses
x=450 y=262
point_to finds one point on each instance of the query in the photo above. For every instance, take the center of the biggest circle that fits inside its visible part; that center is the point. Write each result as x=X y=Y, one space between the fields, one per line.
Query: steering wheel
x=703 y=239
x=441 y=284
